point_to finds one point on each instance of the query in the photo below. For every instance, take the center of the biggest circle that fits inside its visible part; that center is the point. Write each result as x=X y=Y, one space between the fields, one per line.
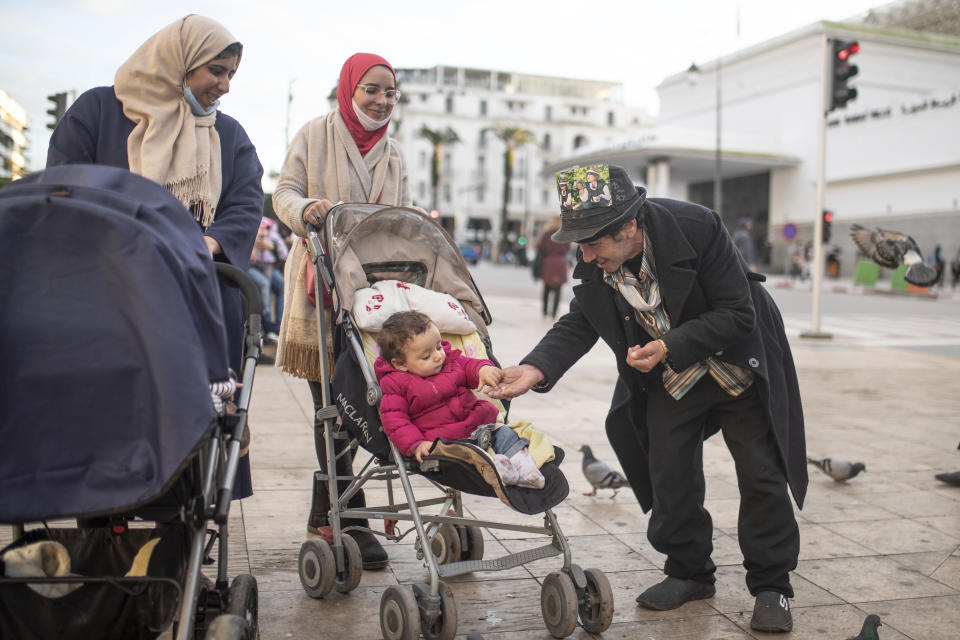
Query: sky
x=50 y=46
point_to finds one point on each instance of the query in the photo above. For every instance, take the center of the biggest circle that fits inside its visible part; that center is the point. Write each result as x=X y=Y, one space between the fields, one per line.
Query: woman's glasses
x=374 y=90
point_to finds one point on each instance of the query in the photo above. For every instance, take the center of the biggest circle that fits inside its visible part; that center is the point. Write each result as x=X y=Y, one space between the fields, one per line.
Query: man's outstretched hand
x=516 y=381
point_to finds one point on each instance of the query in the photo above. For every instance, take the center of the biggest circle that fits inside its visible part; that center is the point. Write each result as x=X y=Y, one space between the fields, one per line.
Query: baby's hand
x=422 y=449
x=489 y=376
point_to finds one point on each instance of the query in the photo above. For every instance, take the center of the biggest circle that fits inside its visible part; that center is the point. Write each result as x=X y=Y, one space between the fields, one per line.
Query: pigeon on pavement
x=600 y=475
x=951 y=477
x=839 y=470
x=869 y=630
x=890 y=249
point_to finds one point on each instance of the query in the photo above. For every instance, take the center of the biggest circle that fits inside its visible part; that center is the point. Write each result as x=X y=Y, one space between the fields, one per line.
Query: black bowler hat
x=583 y=220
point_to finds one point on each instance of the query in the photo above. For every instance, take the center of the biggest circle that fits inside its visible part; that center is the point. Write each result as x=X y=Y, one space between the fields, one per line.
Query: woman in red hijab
x=344 y=156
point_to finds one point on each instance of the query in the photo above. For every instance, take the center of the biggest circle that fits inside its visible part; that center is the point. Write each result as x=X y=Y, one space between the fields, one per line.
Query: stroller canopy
x=368 y=242
x=110 y=333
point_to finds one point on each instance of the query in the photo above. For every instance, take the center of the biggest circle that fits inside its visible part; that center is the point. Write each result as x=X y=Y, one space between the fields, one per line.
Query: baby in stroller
x=427 y=394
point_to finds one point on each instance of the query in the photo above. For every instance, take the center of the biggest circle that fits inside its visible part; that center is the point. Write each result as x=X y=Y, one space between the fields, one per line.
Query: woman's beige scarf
x=170 y=145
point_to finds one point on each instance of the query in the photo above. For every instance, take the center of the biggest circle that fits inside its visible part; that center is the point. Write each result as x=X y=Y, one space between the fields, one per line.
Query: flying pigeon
x=839 y=470
x=891 y=248
x=869 y=630
x=600 y=475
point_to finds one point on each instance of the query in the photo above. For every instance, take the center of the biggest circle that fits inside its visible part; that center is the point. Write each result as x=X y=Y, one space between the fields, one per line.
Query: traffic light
x=825 y=229
x=59 y=108
x=841 y=72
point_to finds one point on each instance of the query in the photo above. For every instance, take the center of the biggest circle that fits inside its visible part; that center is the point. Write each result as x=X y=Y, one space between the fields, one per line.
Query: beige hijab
x=170 y=145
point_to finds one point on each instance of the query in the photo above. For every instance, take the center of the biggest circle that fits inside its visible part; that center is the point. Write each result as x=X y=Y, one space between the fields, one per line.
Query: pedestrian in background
x=955 y=269
x=160 y=120
x=700 y=348
x=743 y=240
x=554 y=267
x=344 y=156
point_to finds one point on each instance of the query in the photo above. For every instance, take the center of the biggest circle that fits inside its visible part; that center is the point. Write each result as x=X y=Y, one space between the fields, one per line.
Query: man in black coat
x=700 y=347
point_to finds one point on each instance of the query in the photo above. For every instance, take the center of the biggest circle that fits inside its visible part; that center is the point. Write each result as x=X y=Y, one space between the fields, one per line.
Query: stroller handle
x=252 y=305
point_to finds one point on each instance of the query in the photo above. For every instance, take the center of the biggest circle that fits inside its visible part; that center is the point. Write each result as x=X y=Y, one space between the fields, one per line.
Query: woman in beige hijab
x=344 y=156
x=160 y=120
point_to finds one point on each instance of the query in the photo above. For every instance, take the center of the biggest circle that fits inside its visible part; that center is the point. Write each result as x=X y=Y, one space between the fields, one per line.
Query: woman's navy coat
x=94 y=130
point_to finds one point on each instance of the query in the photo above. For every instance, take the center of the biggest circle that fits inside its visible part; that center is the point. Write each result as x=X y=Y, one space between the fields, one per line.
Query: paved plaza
x=885 y=543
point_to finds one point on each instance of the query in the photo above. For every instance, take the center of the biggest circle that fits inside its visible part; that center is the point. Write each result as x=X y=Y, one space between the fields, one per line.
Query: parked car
x=470 y=252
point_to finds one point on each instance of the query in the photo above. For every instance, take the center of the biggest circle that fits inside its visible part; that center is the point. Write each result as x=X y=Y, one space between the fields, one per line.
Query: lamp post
x=718 y=147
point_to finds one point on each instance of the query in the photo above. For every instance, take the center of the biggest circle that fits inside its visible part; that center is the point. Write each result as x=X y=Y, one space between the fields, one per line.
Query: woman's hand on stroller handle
x=315 y=212
x=516 y=381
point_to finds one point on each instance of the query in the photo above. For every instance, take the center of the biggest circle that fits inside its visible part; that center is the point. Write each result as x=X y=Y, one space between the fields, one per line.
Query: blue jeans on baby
x=501 y=438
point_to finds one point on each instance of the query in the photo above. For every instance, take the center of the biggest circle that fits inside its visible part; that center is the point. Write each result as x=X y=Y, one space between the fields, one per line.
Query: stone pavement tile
x=712 y=627
x=733 y=596
x=288 y=450
x=604 y=552
x=820 y=623
x=925 y=563
x=947 y=524
x=276 y=519
x=948 y=572
x=930 y=618
x=286 y=615
x=837 y=506
x=817 y=541
x=504 y=606
x=869 y=579
x=914 y=504
x=895 y=536
x=613 y=516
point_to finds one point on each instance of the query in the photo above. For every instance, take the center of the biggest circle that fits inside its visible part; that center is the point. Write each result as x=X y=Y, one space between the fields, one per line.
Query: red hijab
x=353 y=70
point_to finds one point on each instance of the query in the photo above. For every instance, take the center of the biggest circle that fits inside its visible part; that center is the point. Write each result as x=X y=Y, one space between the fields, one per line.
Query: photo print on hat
x=584 y=187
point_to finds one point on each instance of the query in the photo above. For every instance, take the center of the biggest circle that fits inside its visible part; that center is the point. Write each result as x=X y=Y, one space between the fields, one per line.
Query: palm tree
x=511 y=137
x=437 y=138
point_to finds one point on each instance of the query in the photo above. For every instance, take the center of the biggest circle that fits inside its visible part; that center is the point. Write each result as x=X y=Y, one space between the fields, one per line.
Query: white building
x=562 y=114
x=892 y=155
x=13 y=141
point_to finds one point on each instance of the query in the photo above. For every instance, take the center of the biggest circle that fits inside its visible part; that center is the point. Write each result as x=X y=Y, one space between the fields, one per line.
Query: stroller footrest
x=499 y=564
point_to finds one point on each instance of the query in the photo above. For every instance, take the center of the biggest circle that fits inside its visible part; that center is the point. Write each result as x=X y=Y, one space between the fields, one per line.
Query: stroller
x=114 y=382
x=363 y=244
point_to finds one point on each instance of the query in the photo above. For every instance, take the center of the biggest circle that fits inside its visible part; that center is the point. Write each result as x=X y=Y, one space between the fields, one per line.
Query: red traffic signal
x=849 y=50
x=841 y=71
x=828 y=216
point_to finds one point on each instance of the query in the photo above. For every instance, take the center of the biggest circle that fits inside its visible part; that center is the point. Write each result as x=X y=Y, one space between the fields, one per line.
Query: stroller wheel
x=354 y=570
x=399 y=614
x=558 y=604
x=445 y=626
x=317 y=567
x=228 y=627
x=242 y=601
x=446 y=544
x=474 y=549
x=596 y=603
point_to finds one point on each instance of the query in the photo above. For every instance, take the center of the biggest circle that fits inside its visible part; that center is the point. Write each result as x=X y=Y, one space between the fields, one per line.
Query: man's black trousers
x=680 y=526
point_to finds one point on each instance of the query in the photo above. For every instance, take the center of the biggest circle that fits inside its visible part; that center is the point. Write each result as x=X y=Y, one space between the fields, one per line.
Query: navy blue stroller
x=113 y=410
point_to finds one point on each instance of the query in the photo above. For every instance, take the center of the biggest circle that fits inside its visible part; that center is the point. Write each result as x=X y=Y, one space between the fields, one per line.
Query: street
x=885 y=543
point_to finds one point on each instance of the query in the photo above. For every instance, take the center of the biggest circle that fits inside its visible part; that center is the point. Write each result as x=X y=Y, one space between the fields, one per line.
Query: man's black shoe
x=771 y=612
x=673 y=592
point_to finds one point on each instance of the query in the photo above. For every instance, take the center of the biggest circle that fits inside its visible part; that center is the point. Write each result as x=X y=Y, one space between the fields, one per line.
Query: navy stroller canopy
x=110 y=334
